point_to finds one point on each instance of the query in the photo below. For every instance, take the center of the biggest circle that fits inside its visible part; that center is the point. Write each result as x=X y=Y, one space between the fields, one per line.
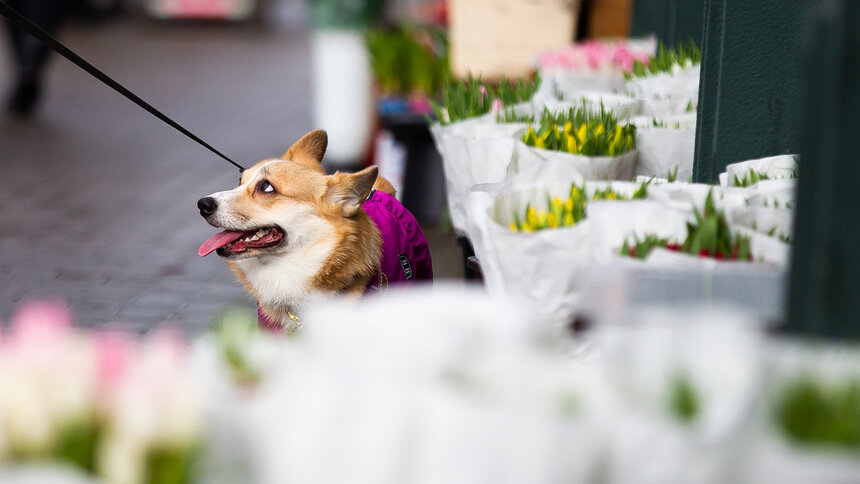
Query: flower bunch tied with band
x=567 y=212
x=708 y=236
x=582 y=131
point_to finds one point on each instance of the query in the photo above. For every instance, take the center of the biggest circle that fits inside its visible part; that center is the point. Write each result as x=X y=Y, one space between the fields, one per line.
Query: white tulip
x=24 y=415
x=121 y=461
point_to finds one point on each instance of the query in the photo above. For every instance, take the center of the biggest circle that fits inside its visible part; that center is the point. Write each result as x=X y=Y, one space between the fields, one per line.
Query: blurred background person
x=30 y=56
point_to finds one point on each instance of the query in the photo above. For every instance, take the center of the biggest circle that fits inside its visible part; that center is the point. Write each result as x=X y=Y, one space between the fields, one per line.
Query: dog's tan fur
x=334 y=201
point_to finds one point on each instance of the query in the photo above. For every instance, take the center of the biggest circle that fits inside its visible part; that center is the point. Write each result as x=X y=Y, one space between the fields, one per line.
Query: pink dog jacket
x=405 y=253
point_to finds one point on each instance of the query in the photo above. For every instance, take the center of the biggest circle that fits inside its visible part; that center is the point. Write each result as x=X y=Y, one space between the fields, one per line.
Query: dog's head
x=284 y=203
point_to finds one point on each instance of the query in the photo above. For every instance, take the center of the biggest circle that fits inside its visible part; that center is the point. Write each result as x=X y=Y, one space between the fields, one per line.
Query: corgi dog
x=292 y=233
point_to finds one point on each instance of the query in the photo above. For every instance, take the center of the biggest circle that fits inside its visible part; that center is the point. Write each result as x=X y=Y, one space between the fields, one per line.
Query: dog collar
x=294 y=318
x=383 y=286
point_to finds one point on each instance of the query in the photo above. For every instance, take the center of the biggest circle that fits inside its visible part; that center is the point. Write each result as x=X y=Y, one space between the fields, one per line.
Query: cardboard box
x=496 y=38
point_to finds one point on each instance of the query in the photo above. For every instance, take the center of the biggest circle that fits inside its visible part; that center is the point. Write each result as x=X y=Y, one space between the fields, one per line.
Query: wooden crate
x=496 y=38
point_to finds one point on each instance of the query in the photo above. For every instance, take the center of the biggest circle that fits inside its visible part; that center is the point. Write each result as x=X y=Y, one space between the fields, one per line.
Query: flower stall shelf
x=595 y=143
x=666 y=146
x=807 y=430
x=109 y=407
x=669 y=82
x=594 y=65
x=679 y=394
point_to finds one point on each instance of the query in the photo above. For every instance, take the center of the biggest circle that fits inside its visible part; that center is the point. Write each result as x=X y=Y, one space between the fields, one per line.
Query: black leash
x=20 y=21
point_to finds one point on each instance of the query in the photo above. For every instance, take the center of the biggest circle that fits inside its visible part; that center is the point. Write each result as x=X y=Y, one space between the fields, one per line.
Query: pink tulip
x=40 y=325
x=114 y=352
x=497 y=106
x=624 y=58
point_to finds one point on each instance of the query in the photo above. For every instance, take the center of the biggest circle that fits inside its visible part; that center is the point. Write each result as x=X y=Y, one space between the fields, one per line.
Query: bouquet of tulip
x=566 y=213
x=708 y=236
x=810 y=430
x=667 y=60
x=593 y=141
x=596 y=65
x=472 y=97
x=680 y=389
x=582 y=132
x=532 y=232
x=820 y=413
x=765 y=190
x=666 y=144
x=468 y=369
x=115 y=409
x=599 y=55
x=475 y=134
x=669 y=82
x=751 y=173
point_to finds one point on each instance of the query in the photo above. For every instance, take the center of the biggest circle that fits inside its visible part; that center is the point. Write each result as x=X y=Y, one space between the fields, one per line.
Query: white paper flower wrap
x=591 y=167
x=566 y=80
x=466 y=392
x=667 y=93
x=777 y=459
x=775 y=167
x=717 y=356
x=543 y=266
x=663 y=149
x=473 y=152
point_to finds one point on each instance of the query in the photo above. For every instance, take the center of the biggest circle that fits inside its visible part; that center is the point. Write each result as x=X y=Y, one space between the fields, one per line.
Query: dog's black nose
x=207 y=206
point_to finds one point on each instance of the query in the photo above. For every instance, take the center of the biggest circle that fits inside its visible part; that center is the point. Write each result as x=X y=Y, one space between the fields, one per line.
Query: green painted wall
x=748 y=94
x=824 y=291
x=672 y=21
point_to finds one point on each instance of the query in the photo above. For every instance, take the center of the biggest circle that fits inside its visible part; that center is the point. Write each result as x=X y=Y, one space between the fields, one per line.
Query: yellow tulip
x=581 y=132
x=542 y=218
x=531 y=216
x=571 y=145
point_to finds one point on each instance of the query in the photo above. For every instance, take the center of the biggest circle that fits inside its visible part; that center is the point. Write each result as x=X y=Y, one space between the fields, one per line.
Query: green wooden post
x=748 y=93
x=672 y=21
x=824 y=290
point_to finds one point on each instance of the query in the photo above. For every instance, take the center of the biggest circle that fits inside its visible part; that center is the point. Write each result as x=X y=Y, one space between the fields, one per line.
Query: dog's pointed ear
x=309 y=150
x=349 y=191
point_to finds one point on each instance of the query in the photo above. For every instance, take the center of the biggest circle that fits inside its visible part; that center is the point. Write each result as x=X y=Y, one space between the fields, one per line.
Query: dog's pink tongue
x=217 y=241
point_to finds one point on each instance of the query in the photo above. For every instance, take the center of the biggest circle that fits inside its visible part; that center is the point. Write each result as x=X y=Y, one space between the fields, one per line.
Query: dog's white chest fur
x=284 y=281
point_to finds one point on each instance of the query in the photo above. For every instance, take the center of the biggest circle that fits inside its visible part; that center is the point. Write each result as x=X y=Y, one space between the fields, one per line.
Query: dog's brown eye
x=265 y=187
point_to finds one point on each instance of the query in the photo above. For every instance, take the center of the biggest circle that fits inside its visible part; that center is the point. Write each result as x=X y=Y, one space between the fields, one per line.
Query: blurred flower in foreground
x=109 y=405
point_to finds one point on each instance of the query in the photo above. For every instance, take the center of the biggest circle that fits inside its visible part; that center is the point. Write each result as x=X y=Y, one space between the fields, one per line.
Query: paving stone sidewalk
x=97 y=198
